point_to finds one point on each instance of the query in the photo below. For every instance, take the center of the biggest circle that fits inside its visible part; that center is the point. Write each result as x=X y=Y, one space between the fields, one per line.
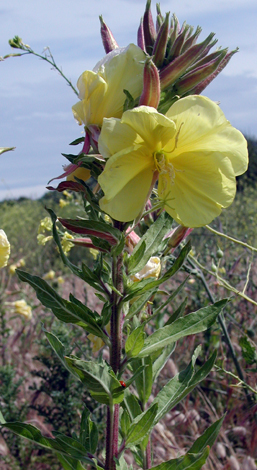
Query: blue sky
x=36 y=102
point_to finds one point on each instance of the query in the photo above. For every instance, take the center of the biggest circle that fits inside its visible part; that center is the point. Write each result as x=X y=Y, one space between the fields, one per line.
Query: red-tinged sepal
x=149 y=28
x=68 y=169
x=201 y=86
x=141 y=37
x=190 y=81
x=152 y=90
x=159 y=18
x=178 y=67
x=93 y=228
x=160 y=44
x=68 y=185
x=87 y=243
x=176 y=236
x=108 y=40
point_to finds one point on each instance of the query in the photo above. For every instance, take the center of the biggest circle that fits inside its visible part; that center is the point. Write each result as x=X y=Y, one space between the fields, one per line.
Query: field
x=35 y=387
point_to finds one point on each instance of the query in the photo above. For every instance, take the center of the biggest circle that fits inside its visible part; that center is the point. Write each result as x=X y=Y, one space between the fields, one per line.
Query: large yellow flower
x=193 y=149
x=101 y=91
x=4 y=249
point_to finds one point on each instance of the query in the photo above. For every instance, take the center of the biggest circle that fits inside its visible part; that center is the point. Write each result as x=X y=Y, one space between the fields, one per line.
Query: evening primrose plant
x=157 y=161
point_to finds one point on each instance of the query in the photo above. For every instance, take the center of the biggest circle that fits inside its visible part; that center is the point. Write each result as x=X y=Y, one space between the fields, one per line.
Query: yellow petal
x=126 y=181
x=80 y=173
x=115 y=136
x=102 y=92
x=4 y=249
x=154 y=129
x=203 y=183
x=202 y=127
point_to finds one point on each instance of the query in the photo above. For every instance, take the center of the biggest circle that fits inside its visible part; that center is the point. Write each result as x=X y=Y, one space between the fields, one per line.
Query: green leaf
x=180 y=310
x=151 y=240
x=180 y=385
x=99 y=379
x=186 y=462
x=130 y=403
x=57 y=346
x=64 y=310
x=193 y=323
x=71 y=447
x=144 y=380
x=135 y=342
x=248 y=350
x=141 y=425
x=208 y=437
x=88 y=432
x=5 y=149
x=138 y=288
x=136 y=257
x=69 y=463
x=162 y=359
x=125 y=422
x=139 y=304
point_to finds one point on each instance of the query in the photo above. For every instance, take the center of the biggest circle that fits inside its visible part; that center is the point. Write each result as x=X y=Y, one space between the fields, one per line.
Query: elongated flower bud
x=193 y=78
x=152 y=90
x=191 y=40
x=109 y=42
x=149 y=28
x=175 y=69
x=141 y=37
x=160 y=45
x=159 y=18
x=199 y=88
x=178 y=44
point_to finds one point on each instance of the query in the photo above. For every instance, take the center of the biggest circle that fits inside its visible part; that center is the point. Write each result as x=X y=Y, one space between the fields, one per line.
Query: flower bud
x=176 y=236
x=151 y=269
x=177 y=67
x=159 y=18
x=160 y=45
x=108 y=40
x=149 y=29
x=151 y=91
x=141 y=37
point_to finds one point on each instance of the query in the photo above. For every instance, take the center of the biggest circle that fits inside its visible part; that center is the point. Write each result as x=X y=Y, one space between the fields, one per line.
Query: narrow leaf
x=135 y=342
x=141 y=426
x=208 y=437
x=186 y=462
x=193 y=323
x=144 y=380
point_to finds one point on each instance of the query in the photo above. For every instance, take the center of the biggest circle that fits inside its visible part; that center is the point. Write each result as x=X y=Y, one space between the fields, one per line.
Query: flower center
x=163 y=165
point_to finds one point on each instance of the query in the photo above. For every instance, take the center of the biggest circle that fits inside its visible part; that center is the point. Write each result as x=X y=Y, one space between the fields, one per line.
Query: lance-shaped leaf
x=64 y=310
x=93 y=228
x=70 y=185
x=186 y=462
x=180 y=386
x=88 y=432
x=138 y=304
x=145 y=285
x=131 y=404
x=151 y=240
x=144 y=380
x=71 y=447
x=208 y=437
x=135 y=342
x=162 y=360
x=99 y=379
x=68 y=463
x=140 y=426
x=193 y=323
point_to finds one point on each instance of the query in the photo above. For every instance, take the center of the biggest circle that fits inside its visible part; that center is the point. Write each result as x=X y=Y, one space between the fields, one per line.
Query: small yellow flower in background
x=66 y=243
x=151 y=269
x=42 y=240
x=80 y=173
x=98 y=343
x=60 y=280
x=101 y=91
x=94 y=252
x=19 y=264
x=63 y=203
x=49 y=276
x=45 y=225
x=67 y=194
x=22 y=308
x=5 y=249
x=193 y=151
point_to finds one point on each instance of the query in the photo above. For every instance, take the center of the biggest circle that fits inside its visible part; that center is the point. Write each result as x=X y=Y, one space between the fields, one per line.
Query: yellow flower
x=60 y=280
x=97 y=342
x=22 y=308
x=42 y=240
x=101 y=91
x=63 y=203
x=193 y=149
x=49 y=276
x=66 y=243
x=45 y=225
x=151 y=269
x=81 y=173
x=5 y=249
